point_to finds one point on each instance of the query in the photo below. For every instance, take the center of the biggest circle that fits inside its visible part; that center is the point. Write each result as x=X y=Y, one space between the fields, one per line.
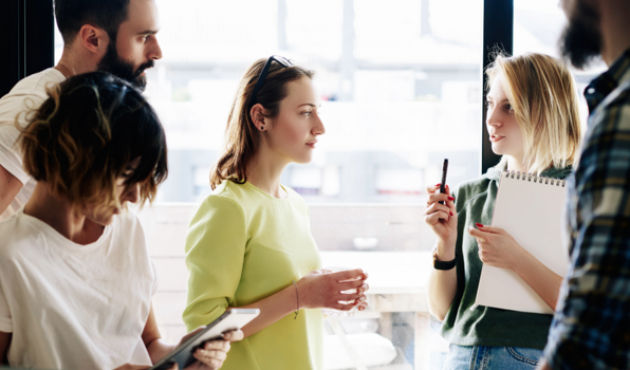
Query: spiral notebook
x=531 y=209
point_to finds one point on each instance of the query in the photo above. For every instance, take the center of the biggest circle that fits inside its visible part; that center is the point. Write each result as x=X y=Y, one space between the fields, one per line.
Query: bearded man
x=591 y=327
x=115 y=36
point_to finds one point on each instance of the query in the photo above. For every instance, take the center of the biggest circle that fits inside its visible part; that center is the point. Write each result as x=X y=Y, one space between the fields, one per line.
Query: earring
x=262 y=128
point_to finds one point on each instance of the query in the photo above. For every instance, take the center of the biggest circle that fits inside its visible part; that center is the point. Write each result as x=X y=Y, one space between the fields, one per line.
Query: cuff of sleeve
x=194 y=321
x=6 y=325
x=13 y=164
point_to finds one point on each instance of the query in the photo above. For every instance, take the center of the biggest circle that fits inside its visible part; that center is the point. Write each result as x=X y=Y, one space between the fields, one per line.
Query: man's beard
x=114 y=64
x=581 y=40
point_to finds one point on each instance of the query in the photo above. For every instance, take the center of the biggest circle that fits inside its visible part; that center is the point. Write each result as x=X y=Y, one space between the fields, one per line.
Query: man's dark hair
x=106 y=14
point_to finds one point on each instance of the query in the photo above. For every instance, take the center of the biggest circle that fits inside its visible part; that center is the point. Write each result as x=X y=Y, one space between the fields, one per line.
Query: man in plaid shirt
x=591 y=328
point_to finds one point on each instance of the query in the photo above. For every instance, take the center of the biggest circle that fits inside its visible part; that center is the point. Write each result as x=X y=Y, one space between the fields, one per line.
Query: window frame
x=498 y=31
x=28 y=46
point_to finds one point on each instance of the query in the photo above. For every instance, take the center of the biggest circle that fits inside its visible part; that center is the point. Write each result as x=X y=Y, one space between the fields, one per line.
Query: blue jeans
x=491 y=358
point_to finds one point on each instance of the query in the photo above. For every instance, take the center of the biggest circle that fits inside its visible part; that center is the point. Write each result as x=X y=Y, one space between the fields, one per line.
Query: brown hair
x=85 y=136
x=241 y=136
x=544 y=96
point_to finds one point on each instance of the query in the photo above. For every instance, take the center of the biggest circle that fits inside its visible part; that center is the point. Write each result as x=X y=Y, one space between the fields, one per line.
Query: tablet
x=233 y=319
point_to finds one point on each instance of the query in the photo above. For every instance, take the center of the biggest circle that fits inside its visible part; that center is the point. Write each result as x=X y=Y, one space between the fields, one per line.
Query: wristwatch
x=442 y=265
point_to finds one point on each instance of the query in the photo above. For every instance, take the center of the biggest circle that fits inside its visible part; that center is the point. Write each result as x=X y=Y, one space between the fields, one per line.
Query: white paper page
x=533 y=214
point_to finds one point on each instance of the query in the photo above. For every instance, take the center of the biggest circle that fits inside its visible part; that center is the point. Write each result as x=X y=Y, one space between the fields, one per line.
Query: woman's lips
x=495 y=138
x=312 y=145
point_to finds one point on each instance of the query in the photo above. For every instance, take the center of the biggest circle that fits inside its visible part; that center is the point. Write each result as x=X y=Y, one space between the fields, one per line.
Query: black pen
x=443 y=184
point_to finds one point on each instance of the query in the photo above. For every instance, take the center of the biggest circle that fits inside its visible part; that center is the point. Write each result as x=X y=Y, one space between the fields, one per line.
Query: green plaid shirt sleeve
x=591 y=327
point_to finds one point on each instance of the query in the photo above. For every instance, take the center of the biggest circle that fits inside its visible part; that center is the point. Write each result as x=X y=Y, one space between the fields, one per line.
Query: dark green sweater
x=485 y=326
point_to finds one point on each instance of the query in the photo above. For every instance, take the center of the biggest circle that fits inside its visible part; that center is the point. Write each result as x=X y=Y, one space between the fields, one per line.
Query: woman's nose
x=132 y=194
x=319 y=128
x=492 y=117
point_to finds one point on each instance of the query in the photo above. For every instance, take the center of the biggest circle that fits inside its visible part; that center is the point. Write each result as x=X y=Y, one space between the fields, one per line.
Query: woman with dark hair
x=75 y=277
x=249 y=244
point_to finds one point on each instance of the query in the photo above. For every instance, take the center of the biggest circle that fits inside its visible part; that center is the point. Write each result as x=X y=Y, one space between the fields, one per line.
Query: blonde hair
x=544 y=96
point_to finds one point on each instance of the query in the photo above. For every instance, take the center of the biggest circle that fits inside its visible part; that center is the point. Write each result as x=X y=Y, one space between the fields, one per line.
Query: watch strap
x=443 y=265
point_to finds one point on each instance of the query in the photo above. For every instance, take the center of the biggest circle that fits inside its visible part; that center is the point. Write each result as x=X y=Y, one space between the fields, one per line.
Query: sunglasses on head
x=263 y=74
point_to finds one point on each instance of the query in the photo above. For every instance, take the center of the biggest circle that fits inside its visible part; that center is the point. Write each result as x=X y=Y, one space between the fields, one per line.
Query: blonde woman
x=533 y=121
x=249 y=244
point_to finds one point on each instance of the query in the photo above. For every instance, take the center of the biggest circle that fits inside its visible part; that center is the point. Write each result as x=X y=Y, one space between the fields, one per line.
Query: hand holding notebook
x=497 y=247
x=529 y=209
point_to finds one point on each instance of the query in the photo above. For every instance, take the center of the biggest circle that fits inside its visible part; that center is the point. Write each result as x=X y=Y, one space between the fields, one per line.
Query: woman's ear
x=257 y=115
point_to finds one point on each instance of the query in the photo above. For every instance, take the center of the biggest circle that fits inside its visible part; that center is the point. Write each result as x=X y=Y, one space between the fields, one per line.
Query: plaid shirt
x=591 y=327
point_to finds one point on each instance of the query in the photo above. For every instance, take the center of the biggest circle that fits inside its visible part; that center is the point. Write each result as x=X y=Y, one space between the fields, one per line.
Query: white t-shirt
x=72 y=306
x=26 y=95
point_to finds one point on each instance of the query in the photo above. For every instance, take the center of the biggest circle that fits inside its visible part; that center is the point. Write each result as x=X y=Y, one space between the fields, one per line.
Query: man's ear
x=93 y=38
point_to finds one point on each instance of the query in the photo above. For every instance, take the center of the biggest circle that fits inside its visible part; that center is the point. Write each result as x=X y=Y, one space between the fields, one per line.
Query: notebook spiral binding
x=524 y=176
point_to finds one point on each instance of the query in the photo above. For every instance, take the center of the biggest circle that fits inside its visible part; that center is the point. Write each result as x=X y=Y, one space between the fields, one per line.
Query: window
x=400 y=84
x=400 y=88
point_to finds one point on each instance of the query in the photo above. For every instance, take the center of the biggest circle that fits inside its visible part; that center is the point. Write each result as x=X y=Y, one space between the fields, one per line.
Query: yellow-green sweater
x=244 y=245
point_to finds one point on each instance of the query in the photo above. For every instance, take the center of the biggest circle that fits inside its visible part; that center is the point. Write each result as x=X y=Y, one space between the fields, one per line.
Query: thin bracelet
x=298 y=300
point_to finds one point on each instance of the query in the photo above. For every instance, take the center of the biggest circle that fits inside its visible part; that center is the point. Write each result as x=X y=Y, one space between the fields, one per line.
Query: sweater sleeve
x=215 y=250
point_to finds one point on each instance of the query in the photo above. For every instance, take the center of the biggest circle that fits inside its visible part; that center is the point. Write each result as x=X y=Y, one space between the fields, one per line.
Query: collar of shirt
x=607 y=82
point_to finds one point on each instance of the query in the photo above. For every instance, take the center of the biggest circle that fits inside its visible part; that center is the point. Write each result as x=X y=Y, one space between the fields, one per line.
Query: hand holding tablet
x=211 y=354
x=202 y=348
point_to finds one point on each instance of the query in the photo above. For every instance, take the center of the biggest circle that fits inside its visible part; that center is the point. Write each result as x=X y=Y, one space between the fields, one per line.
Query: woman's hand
x=442 y=218
x=211 y=356
x=497 y=247
x=214 y=352
x=322 y=289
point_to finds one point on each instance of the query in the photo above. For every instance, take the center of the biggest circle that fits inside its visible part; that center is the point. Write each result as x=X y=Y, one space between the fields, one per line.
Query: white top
x=26 y=95
x=72 y=306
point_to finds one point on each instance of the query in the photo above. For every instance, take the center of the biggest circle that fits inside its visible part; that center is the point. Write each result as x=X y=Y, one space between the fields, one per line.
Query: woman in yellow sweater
x=249 y=244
